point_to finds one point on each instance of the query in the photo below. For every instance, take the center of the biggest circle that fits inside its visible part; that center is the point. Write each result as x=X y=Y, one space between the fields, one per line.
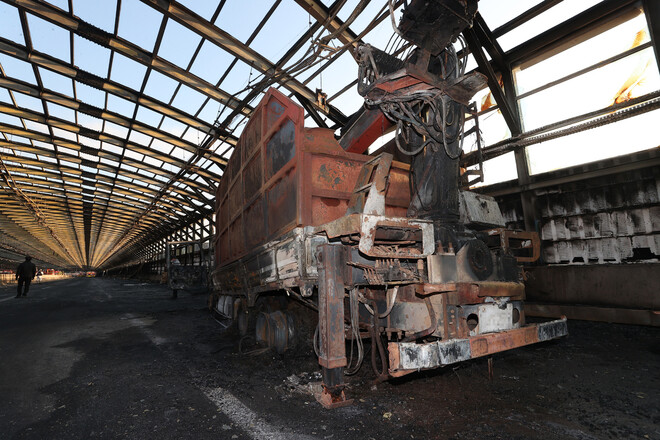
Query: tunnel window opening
x=602 y=69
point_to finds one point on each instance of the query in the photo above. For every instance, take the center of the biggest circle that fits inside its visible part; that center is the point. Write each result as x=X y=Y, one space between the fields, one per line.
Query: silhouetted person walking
x=25 y=274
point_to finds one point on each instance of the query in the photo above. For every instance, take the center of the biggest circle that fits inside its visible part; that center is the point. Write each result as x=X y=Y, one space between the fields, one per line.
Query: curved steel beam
x=184 y=16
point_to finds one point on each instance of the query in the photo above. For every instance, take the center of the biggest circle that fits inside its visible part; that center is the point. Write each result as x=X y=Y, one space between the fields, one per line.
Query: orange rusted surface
x=333 y=399
x=283 y=175
x=371 y=125
x=429 y=289
x=496 y=288
x=394 y=357
x=495 y=342
x=474 y=292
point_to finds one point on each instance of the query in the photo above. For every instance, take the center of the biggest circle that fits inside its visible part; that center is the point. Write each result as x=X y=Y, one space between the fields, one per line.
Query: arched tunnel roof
x=117 y=117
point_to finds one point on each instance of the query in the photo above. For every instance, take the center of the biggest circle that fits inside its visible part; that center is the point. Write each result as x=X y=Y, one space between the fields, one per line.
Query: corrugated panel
x=611 y=219
x=603 y=225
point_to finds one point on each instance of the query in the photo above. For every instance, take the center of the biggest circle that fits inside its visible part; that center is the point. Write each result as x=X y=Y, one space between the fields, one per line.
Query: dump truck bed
x=283 y=175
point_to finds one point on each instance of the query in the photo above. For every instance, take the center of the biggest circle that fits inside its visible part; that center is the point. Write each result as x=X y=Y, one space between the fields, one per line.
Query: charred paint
x=281 y=148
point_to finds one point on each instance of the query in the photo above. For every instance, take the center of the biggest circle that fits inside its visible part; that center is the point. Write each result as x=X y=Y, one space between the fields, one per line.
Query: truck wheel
x=245 y=319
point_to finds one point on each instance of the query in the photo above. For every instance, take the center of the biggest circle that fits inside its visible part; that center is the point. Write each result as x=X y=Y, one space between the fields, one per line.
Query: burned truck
x=383 y=251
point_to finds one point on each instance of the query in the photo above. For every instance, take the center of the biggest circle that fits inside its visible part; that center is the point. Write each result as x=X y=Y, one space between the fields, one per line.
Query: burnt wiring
x=406 y=112
x=390 y=299
x=390 y=6
x=310 y=59
x=432 y=114
x=314 y=54
x=355 y=298
x=351 y=18
x=356 y=339
x=377 y=343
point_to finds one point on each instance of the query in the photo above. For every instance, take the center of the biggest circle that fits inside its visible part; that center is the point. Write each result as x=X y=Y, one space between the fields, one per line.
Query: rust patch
x=334 y=174
x=496 y=342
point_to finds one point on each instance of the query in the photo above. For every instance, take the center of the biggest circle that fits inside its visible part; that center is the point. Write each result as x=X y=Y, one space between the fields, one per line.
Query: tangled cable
x=351 y=368
x=408 y=112
x=354 y=305
x=430 y=113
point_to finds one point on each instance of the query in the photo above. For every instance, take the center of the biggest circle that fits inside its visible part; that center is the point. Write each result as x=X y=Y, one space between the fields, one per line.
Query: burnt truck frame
x=297 y=215
x=190 y=275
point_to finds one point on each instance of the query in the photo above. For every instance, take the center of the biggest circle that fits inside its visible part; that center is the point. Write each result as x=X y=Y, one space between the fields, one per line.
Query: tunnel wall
x=600 y=230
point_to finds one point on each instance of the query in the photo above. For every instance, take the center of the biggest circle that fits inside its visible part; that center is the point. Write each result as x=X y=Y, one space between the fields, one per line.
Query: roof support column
x=480 y=36
x=652 y=12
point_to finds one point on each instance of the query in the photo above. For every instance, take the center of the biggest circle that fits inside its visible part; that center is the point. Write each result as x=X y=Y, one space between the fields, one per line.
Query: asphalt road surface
x=104 y=358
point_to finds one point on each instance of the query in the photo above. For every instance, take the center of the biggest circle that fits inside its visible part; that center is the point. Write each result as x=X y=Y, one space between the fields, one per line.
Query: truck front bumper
x=407 y=357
